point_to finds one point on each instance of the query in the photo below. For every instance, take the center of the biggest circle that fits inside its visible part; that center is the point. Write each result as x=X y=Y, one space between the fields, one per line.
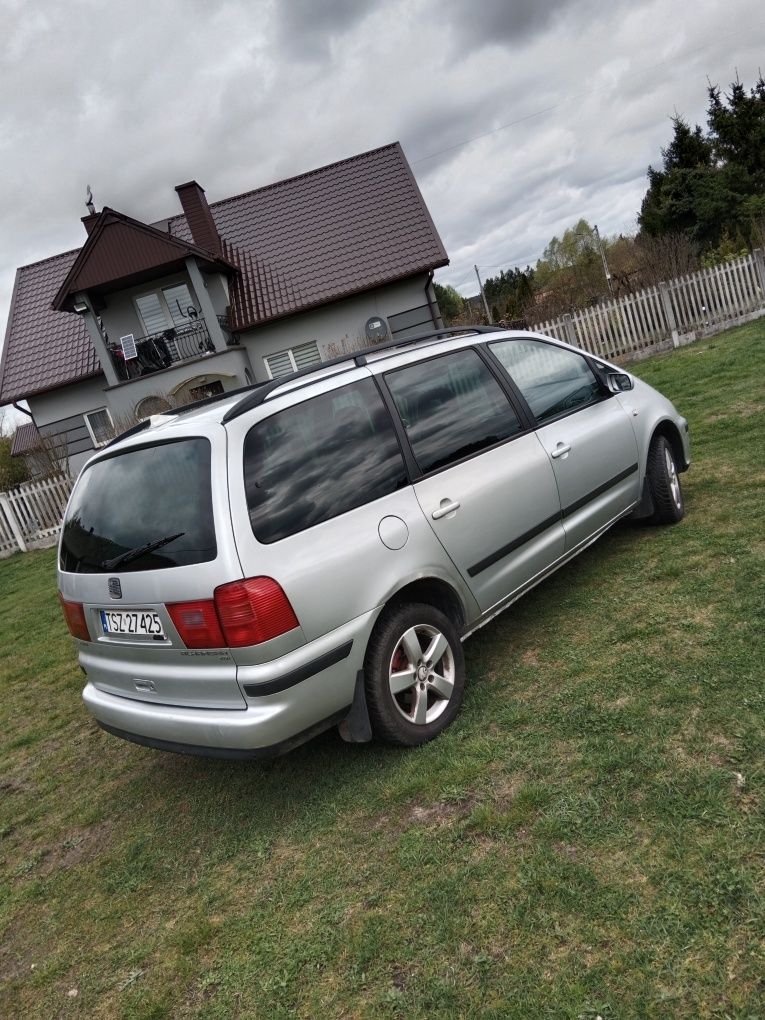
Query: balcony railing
x=161 y=350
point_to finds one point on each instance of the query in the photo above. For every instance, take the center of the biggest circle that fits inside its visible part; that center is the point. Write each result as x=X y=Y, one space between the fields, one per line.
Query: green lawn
x=587 y=839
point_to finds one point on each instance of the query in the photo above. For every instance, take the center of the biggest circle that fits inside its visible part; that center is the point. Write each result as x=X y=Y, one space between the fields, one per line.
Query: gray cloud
x=307 y=29
x=501 y=22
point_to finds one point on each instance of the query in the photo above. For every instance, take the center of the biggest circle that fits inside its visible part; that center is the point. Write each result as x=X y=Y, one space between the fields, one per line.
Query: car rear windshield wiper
x=133 y=554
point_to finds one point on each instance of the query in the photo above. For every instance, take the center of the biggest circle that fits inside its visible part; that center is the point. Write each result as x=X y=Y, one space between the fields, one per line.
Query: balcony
x=169 y=347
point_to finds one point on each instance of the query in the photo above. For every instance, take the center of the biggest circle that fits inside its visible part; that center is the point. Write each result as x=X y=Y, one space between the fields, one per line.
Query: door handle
x=561 y=450
x=447 y=507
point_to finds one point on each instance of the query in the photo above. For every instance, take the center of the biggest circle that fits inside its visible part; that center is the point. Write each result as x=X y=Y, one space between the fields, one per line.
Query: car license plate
x=134 y=622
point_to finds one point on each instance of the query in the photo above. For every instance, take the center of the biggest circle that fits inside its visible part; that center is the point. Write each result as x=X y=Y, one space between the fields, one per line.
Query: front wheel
x=664 y=483
x=414 y=674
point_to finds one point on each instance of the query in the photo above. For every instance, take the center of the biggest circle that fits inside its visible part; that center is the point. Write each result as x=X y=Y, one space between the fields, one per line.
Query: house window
x=293 y=360
x=165 y=308
x=100 y=426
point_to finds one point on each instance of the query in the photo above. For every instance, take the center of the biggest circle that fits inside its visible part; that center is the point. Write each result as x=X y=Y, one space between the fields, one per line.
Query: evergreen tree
x=712 y=185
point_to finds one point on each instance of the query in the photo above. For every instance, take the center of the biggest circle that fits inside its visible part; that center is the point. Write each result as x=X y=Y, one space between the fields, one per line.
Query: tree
x=449 y=302
x=510 y=295
x=712 y=184
x=13 y=470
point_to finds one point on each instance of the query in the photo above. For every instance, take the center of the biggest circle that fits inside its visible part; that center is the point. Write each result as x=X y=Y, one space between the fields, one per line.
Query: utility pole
x=603 y=257
x=480 y=287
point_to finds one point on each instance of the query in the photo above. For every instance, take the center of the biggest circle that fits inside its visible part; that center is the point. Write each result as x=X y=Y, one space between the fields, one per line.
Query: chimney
x=198 y=216
x=89 y=222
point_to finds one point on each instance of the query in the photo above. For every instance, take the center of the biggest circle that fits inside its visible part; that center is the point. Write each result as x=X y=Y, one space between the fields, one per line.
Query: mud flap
x=356 y=727
x=645 y=507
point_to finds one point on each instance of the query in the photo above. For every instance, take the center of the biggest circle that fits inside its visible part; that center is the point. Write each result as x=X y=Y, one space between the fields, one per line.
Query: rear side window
x=319 y=459
x=151 y=496
x=552 y=379
x=451 y=407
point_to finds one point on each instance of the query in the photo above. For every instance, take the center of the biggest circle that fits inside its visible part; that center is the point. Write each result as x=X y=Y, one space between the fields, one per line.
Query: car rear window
x=319 y=459
x=151 y=496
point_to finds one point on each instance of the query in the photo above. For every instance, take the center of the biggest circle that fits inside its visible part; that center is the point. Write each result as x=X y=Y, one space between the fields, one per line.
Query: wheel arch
x=433 y=591
x=671 y=433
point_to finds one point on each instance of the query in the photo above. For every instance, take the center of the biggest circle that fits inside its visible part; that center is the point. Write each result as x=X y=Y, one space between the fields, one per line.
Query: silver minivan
x=243 y=573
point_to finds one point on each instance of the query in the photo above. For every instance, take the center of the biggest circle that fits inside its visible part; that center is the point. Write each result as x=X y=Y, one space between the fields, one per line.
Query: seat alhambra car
x=243 y=573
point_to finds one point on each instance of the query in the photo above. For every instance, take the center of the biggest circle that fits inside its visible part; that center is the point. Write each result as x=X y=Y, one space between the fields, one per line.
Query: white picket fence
x=30 y=514
x=669 y=314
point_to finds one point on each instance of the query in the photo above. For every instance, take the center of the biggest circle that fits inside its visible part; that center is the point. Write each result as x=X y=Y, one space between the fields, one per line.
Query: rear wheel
x=664 y=483
x=414 y=674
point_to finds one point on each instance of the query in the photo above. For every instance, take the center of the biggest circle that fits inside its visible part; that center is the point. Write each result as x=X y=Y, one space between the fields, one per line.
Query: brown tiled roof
x=299 y=243
x=25 y=439
x=43 y=349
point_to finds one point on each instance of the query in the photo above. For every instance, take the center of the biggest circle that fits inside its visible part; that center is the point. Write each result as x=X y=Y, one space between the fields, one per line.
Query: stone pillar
x=208 y=311
x=97 y=339
x=669 y=314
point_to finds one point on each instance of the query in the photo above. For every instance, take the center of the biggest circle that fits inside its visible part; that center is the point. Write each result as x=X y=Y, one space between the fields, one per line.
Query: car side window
x=319 y=459
x=552 y=379
x=451 y=407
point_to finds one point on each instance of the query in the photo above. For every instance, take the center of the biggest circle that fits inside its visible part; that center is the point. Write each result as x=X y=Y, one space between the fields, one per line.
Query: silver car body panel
x=524 y=510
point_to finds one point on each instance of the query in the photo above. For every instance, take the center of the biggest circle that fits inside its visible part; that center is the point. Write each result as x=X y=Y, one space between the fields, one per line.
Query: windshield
x=149 y=508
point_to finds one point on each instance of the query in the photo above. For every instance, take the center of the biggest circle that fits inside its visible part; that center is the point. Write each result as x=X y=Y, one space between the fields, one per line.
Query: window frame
x=507 y=388
x=86 y=416
x=165 y=307
x=288 y=351
x=605 y=393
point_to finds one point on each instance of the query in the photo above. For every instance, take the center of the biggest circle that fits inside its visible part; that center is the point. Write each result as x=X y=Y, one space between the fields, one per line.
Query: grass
x=586 y=840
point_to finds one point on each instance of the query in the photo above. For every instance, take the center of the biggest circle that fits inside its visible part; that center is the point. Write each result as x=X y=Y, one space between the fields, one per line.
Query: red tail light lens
x=197 y=623
x=253 y=610
x=74 y=615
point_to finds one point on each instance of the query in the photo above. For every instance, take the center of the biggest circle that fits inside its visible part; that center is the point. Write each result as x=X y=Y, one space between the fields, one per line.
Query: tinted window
x=319 y=459
x=137 y=497
x=451 y=407
x=552 y=380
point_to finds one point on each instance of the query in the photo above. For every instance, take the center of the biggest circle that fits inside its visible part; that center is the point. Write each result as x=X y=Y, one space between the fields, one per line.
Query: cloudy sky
x=518 y=116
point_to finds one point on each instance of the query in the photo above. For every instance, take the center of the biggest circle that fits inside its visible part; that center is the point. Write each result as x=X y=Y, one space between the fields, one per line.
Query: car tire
x=664 y=483
x=418 y=643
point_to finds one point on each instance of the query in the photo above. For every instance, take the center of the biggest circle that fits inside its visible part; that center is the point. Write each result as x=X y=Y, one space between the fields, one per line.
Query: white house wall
x=60 y=412
x=339 y=327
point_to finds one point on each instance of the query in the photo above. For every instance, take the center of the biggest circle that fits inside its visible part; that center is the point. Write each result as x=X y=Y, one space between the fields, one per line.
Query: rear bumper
x=236 y=753
x=287 y=701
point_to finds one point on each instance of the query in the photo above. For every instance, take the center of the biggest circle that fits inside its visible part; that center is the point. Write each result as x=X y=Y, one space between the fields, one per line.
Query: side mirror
x=618 y=382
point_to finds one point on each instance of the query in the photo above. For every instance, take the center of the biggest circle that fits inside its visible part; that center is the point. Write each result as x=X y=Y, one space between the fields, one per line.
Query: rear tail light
x=241 y=613
x=197 y=623
x=253 y=610
x=74 y=615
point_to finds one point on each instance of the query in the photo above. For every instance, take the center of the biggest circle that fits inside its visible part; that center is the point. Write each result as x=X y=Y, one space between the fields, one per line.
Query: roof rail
x=129 y=432
x=262 y=391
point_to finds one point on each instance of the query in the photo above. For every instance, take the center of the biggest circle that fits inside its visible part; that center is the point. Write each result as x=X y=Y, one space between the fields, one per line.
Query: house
x=146 y=316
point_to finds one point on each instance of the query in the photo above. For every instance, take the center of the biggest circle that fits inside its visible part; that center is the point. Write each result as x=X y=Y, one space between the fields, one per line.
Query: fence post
x=759 y=261
x=568 y=328
x=669 y=313
x=11 y=516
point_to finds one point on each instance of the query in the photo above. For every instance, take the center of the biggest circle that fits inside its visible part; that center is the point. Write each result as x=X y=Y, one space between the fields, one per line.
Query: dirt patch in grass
x=81 y=844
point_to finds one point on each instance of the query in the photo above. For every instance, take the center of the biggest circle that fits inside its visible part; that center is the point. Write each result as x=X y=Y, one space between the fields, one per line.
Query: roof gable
x=119 y=249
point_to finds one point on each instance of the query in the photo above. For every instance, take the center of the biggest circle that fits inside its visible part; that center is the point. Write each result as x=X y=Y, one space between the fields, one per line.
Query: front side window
x=553 y=380
x=319 y=459
x=99 y=425
x=451 y=407
x=145 y=509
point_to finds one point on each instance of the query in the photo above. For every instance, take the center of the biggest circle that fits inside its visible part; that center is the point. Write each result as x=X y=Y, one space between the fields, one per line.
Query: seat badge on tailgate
x=115 y=588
